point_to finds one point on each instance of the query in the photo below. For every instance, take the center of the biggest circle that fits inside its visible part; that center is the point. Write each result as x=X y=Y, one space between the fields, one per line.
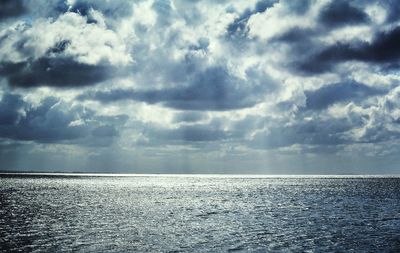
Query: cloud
x=238 y=28
x=196 y=133
x=113 y=9
x=64 y=72
x=11 y=8
x=304 y=132
x=330 y=94
x=61 y=53
x=282 y=17
x=324 y=127
x=213 y=89
x=9 y=107
x=228 y=79
x=295 y=35
x=298 y=7
x=383 y=50
x=189 y=117
x=392 y=9
x=53 y=121
x=339 y=13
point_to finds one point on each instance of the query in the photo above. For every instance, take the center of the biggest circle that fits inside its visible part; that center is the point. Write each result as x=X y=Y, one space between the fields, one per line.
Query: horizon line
x=232 y=175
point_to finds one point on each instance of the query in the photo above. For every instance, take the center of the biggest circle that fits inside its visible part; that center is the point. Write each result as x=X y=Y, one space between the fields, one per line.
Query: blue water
x=199 y=214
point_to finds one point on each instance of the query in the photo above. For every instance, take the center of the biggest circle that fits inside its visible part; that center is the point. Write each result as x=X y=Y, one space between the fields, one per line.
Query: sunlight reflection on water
x=194 y=213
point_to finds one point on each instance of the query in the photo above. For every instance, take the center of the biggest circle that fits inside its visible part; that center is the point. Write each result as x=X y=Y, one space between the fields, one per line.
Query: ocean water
x=56 y=213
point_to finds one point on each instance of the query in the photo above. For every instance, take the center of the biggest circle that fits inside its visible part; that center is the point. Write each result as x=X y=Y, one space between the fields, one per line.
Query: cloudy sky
x=187 y=86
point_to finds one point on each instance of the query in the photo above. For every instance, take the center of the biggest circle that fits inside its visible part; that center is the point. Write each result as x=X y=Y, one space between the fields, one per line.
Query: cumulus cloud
x=342 y=13
x=65 y=52
x=213 y=89
x=238 y=28
x=214 y=77
x=11 y=8
x=383 y=50
x=309 y=132
x=54 y=121
x=328 y=95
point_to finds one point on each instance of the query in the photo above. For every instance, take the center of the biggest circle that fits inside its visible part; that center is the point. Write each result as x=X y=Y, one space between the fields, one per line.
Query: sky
x=188 y=86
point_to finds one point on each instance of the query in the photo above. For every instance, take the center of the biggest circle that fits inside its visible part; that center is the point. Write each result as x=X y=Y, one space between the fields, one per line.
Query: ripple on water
x=185 y=214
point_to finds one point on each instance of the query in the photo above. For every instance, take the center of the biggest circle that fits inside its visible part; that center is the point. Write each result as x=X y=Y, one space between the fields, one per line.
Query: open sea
x=189 y=213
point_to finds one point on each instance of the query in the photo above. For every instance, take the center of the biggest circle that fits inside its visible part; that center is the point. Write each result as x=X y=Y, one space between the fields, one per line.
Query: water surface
x=54 y=213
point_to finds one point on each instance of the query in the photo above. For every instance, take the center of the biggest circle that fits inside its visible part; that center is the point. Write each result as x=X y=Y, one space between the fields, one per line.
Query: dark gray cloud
x=295 y=35
x=328 y=95
x=57 y=72
x=200 y=130
x=196 y=133
x=313 y=132
x=9 y=106
x=315 y=57
x=384 y=50
x=43 y=123
x=212 y=89
x=342 y=13
x=11 y=8
x=53 y=121
x=299 y=7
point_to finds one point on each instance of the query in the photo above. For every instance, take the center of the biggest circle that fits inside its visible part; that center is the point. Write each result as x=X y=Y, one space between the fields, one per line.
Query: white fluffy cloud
x=88 y=43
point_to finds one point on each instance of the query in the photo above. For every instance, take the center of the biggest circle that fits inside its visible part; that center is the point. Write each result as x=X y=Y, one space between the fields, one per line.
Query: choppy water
x=199 y=214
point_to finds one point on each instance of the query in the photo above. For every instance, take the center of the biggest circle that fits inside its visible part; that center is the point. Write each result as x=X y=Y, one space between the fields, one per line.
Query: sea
x=198 y=213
